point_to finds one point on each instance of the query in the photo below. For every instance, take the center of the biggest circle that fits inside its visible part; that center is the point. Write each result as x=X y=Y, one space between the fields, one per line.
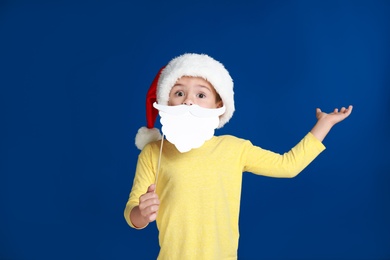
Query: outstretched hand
x=334 y=117
x=325 y=121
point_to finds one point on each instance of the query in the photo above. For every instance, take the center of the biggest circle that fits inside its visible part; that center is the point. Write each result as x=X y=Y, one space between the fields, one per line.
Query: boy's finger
x=148 y=205
x=148 y=196
x=151 y=188
x=152 y=217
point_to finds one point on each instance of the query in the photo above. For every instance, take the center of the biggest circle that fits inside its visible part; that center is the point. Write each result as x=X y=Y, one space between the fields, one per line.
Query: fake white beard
x=188 y=127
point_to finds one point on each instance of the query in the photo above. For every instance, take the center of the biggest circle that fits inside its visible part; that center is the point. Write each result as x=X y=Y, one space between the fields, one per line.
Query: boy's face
x=194 y=91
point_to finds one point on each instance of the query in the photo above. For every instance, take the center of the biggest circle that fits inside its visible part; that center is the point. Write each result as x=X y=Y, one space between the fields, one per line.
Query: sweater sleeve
x=288 y=165
x=144 y=177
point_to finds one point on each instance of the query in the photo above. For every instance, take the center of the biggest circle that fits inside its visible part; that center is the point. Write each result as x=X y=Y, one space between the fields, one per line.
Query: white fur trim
x=198 y=65
x=145 y=136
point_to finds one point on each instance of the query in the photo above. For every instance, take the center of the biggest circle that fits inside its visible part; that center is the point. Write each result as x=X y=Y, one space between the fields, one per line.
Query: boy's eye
x=201 y=95
x=179 y=93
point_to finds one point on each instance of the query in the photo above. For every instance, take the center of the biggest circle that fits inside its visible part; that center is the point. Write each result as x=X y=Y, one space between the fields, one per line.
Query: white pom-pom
x=146 y=135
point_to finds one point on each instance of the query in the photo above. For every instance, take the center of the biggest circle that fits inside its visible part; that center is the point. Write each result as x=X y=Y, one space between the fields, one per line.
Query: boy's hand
x=336 y=116
x=326 y=121
x=149 y=204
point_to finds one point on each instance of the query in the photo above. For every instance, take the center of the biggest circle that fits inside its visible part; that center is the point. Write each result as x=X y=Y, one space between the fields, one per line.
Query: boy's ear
x=219 y=104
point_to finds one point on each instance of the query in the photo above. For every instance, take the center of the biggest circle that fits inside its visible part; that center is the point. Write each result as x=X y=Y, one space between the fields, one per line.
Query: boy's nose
x=188 y=102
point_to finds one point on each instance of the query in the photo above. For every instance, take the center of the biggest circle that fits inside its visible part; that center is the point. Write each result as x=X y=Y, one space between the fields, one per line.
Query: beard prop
x=188 y=127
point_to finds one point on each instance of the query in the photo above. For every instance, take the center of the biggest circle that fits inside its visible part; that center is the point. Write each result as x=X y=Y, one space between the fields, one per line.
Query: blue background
x=73 y=78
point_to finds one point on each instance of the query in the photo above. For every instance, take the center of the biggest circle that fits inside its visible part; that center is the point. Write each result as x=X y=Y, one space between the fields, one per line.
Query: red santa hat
x=193 y=65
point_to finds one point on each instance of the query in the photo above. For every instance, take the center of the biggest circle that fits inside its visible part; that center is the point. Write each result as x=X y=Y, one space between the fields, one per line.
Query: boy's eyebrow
x=202 y=86
x=199 y=85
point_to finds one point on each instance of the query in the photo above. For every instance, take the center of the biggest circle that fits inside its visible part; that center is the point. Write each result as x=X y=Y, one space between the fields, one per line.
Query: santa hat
x=193 y=65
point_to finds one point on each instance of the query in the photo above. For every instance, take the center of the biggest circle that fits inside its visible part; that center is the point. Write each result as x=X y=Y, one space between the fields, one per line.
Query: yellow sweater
x=200 y=191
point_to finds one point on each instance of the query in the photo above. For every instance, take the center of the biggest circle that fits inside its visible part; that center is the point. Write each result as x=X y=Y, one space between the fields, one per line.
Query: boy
x=196 y=202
